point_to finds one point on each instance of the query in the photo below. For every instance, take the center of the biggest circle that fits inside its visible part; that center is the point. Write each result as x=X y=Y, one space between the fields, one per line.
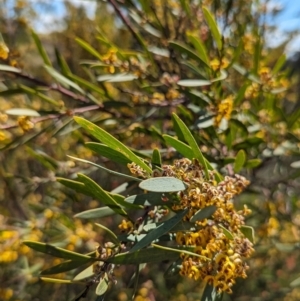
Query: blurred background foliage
x=127 y=70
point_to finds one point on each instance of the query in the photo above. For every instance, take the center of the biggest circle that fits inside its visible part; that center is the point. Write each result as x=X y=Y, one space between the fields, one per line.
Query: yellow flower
x=224 y=110
x=25 y=124
x=4 y=51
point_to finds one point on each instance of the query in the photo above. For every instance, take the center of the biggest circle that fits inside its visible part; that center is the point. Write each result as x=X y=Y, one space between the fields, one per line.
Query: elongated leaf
x=87 y=84
x=163 y=184
x=197 y=43
x=117 y=78
x=53 y=280
x=143 y=256
x=89 y=48
x=65 y=266
x=193 y=82
x=181 y=147
x=101 y=194
x=41 y=49
x=248 y=232
x=111 y=234
x=239 y=160
x=62 y=63
x=9 y=69
x=156 y=158
x=253 y=163
x=95 y=213
x=86 y=273
x=108 y=152
x=63 y=80
x=203 y=213
x=106 y=169
x=102 y=285
x=75 y=185
x=159 y=231
x=192 y=143
x=178 y=250
x=112 y=142
x=22 y=112
x=213 y=27
x=147 y=199
x=55 y=251
x=28 y=90
x=279 y=64
x=227 y=233
x=187 y=51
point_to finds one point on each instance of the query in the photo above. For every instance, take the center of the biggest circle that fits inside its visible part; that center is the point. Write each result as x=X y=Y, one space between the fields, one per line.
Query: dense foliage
x=181 y=94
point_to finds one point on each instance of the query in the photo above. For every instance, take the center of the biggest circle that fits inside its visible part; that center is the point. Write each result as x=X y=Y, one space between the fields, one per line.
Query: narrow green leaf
x=117 y=78
x=62 y=63
x=55 y=251
x=108 y=152
x=178 y=250
x=163 y=184
x=248 y=232
x=75 y=185
x=193 y=83
x=22 y=112
x=183 y=49
x=9 y=69
x=111 y=234
x=143 y=256
x=87 y=84
x=197 y=43
x=53 y=280
x=106 y=169
x=41 y=49
x=186 y=7
x=213 y=27
x=89 y=48
x=239 y=160
x=63 y=80
x=28 y=90
x=203 y=213
x=102 y=285
x=253 y=163
x=86 y=273
x=101 y=194
x=95 y=213
x=156 y=158
x=65 y=266
x=279 y=64
x=159 y=231
x=181 y=147
x=112 y=142
x=192 y=143
x=227 y=233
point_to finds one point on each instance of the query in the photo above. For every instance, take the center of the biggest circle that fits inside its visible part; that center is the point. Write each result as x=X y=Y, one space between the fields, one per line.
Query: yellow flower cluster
x=219 y=245
x=218 y=240
x=224 y=110
x=268 y=83
x=25 y=124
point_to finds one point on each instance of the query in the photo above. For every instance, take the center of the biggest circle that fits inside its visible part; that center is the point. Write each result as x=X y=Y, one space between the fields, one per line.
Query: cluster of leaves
x=223 y=85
